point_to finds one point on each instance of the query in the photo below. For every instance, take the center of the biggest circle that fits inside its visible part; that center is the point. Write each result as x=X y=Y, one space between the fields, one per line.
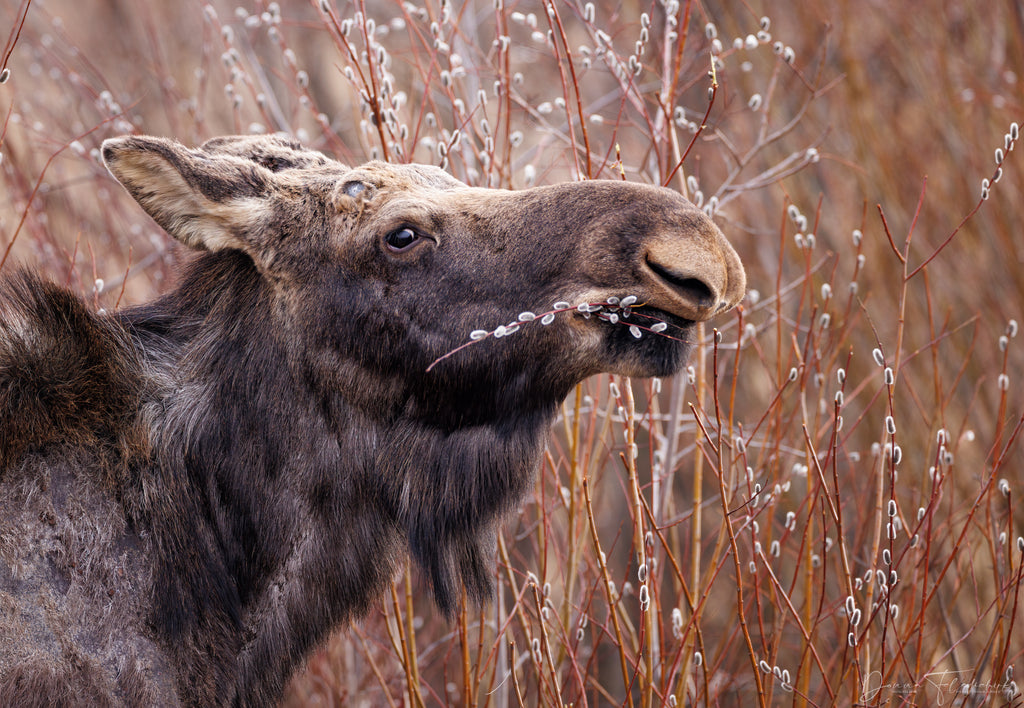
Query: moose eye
x=401 y=239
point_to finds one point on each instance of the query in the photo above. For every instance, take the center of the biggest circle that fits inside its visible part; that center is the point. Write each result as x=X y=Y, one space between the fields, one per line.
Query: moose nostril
x=693 y=289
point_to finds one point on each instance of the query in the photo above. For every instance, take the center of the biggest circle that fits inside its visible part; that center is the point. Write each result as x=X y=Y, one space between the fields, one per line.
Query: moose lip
x=646 y=316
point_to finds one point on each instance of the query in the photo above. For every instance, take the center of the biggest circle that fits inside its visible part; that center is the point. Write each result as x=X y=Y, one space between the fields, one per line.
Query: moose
x=196 y=490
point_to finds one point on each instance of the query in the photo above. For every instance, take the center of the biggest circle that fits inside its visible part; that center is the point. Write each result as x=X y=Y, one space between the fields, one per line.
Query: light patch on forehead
x=434 y=177
x=399 y=177
x=403 y=207
x=378 y=188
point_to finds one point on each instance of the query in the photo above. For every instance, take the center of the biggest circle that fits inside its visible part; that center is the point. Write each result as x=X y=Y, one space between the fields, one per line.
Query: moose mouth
x=649 y=317
x=638 y=320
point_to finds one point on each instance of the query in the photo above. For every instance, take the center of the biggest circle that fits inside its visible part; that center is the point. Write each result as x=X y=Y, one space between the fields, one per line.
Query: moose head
x=358 y=363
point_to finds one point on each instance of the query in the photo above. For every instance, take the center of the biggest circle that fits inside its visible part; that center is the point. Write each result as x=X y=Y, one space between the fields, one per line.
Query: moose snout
x=698 y=273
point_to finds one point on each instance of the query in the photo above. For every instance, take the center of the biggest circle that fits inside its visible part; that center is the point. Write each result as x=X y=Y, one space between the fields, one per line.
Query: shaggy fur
x=195 y=491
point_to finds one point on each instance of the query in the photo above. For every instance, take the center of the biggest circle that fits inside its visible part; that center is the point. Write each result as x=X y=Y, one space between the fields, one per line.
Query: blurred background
x=838 y=144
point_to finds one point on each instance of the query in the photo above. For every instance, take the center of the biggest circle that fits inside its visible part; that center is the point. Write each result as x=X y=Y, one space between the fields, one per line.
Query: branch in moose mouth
x=613 y=310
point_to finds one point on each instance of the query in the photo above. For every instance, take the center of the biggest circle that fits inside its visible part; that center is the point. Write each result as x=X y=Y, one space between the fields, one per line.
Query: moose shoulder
x=195 y=491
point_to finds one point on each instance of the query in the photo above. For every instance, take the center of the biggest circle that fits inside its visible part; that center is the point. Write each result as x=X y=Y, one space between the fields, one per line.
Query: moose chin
x=195 y=491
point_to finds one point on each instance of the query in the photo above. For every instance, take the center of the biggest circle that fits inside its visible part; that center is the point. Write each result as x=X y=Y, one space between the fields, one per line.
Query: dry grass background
x=762 y=545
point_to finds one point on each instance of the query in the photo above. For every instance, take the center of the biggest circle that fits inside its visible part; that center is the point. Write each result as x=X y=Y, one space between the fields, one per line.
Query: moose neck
x=266 y=452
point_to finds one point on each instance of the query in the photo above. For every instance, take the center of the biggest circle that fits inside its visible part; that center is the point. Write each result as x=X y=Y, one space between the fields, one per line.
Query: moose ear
x=207 y=201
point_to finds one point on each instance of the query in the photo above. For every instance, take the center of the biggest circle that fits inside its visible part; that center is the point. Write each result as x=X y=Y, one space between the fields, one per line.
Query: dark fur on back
x=56 y=357
x=195 y=491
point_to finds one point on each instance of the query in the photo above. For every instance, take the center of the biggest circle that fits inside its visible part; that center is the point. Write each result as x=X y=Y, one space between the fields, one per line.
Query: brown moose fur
x=195 y=491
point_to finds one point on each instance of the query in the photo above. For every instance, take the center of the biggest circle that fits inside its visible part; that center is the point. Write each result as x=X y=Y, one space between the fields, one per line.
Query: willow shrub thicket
x=824 y=509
